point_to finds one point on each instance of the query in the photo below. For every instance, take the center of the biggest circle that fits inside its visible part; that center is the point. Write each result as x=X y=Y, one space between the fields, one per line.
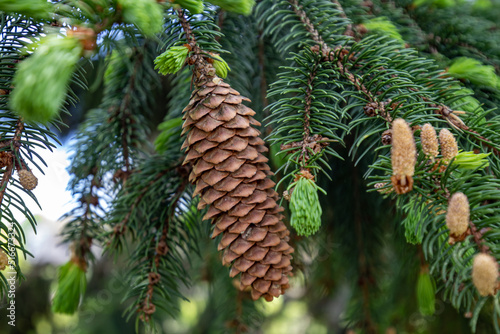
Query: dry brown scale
x=232 y=178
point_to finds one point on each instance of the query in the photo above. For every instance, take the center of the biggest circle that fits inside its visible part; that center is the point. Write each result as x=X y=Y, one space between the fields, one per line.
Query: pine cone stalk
x=232 y=177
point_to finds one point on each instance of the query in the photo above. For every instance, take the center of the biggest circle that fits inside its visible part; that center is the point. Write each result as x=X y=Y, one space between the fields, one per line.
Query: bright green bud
x=147 y=15
x=221 y=67
x=436 y=3
x=426 y=293
x=384 y=26
x=33 y=8
x=168 y=129
x=194 y=6
x=305 y=208
x=41 y=81
x=236 y=6
x=470 y=160
x=482 y=4
x=474 y=71
x=171 y=60
x=71 y=287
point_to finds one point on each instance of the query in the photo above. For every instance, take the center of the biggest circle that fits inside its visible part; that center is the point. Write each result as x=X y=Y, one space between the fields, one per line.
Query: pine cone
x=27 y=179
x=231 y=175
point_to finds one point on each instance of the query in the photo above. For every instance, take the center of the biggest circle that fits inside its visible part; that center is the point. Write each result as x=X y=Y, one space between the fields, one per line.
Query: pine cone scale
x=238 y=227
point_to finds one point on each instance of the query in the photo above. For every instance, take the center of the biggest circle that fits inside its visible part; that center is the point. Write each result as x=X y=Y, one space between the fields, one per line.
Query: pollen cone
x=232 y=178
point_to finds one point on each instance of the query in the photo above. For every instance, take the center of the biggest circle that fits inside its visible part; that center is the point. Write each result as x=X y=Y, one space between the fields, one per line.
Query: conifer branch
x=262 y=67
x=148 y=307
x=122 y=110
x=121 y=227
x=14 y=144
x=341 y=52
x=477 y=236
x=348 y=30
x=308 y=24
x=452 y=117
x=187 y=29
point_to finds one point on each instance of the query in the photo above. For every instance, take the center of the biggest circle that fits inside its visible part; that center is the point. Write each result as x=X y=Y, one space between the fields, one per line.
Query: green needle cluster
x=172 y=60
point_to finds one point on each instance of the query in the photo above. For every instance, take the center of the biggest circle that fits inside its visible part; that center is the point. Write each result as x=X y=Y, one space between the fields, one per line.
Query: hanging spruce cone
x=231 y=175
x=27 y=179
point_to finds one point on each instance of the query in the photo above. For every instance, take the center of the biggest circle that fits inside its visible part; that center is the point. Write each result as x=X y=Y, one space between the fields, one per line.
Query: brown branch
x=309 y=26
x=120 y=228
x=452 y=117
x=125 y=114
x=147 y=307
x=477 y=236
x=203 y=69
x=262 y=66
x=185 y=26
x=337 y=56
x=316 y=143
x=307 y=107
x=14 y=143
x=348 y=31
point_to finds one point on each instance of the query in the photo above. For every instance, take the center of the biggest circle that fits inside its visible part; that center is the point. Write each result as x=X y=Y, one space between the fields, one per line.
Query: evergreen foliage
x=352 y=95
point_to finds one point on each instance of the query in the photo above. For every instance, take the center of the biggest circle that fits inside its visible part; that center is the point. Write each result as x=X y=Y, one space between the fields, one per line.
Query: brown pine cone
x=231 y=175
x=27 y=179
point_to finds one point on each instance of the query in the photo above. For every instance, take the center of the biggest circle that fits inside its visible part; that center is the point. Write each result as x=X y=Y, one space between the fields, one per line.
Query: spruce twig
x=14 y=143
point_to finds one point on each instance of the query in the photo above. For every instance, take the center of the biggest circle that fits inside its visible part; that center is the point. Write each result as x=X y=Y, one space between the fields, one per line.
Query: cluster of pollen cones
x=232 y=176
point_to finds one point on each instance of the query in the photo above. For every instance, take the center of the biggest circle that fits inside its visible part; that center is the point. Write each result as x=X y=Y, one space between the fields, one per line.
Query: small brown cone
x=485 y=274
x=27 y=179
x=232 y=178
